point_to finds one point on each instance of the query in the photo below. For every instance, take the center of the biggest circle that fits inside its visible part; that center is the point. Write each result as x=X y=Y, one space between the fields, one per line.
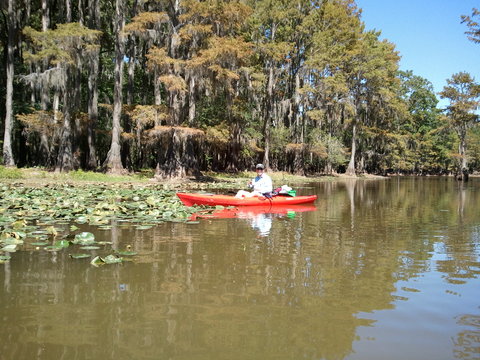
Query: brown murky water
x=383 y=269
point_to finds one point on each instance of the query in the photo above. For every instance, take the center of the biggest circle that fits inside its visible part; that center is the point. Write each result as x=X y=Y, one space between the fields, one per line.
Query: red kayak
x=227 y=200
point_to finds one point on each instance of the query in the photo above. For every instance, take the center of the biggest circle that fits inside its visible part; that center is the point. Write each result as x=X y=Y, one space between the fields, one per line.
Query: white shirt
x=262 y=184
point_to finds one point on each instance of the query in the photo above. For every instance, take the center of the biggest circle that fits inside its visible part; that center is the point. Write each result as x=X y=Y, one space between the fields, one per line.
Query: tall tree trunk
x=191 y=100
x=65 y=153
x=94 y=21
x=68 y=11
x=156 y=87
x=44 y=91
x=92 y=161
x=462 y=149
x=113 y=163
x=7 y=138
x=131 y=73
x=351 y=164
x=45 y=15
x=77 y=100
x=296 y=108
x=80 y=12
x=268 y=116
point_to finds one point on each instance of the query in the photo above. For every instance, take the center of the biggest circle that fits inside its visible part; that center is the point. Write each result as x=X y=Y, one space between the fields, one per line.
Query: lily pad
x=53 y=248
x=81 y=220
x=9 y=248
x=105 y=227
x=84 y=238
x=90 y=247
x=5 y=257
x=79 y=256
x=112 y=259
x=97 y=261
x=143 y=227
x=62 y=243
x=12 y=241
x=39 y=243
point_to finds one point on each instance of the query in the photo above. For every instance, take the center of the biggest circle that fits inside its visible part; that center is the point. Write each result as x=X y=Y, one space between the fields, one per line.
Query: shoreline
x=38 y=177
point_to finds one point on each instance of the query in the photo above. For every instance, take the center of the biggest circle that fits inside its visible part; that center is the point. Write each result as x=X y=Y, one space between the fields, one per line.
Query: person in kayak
x=261 y=184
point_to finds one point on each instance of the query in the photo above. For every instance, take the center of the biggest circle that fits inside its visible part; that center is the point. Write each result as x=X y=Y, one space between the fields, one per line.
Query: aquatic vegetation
x=50 y=217
x=109 y=259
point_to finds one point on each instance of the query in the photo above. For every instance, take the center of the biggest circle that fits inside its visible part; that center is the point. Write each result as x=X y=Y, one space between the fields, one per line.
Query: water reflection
x=375 y=265
x=259 y=217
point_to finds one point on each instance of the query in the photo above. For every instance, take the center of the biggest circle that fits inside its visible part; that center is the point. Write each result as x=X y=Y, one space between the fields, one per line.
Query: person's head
x=260 y=168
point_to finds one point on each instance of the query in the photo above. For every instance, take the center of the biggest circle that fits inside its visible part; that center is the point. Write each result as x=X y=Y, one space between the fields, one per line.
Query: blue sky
x=428 y=34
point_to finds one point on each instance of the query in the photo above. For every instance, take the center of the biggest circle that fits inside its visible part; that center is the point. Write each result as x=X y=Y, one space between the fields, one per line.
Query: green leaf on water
x=81 y=220
x=112 y=259
x=73 y=228
x=19 y=224
x=143 y=227
x=12 y=241
x=62 y=243
x=79 y=256
x=105 y=243
x=19 y=234
x=39 y=243
x=9 y=248
x=90 y=247
x=53 y=248
x=5 y=257
x=105 y=227
x=84 y=238
x=97 y=261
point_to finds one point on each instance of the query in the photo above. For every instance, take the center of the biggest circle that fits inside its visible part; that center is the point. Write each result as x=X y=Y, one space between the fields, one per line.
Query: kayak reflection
x=259 y=217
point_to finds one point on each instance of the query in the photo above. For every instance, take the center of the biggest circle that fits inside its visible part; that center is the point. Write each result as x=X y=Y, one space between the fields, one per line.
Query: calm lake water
x=381 y=269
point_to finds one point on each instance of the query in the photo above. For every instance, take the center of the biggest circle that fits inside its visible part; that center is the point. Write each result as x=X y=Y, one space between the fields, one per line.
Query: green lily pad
x=39 y=243
x=90 y=247
x=79 y=256
x=97 y=261
x=73 y=228
x=81 y=220
x=9 y=248
x=40 y=237
x=143 y=227
x=12 y=241
x=19 y=234
x=105 y=243
x=105 y=227
x=53 y=248
x=5 y=257
x=112 y=259
x=84 y=238
x=62 y=243
x=19 y=224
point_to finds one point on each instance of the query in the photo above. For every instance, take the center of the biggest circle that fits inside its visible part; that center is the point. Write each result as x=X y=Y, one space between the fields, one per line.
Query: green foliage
x=328 y=147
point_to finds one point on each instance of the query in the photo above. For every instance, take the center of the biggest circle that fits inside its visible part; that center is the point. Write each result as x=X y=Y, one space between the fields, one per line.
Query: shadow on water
x=376 y=264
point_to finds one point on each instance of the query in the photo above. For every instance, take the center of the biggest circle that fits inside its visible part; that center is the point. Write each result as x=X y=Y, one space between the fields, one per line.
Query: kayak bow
x=189 y=199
